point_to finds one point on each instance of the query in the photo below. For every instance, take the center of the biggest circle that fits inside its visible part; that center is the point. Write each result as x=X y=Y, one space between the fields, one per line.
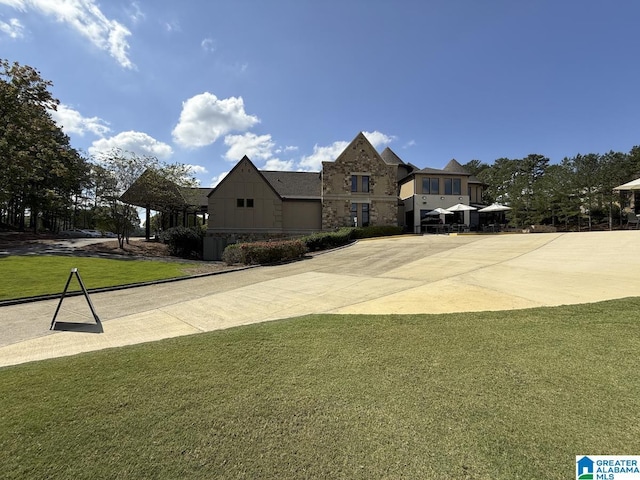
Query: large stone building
x=360 y=188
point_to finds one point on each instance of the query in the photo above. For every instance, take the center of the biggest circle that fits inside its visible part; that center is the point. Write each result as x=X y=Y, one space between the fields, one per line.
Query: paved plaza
x=397 y=275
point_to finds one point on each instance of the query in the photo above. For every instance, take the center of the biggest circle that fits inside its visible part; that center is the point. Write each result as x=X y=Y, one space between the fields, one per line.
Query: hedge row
x=260 y=253
x=344 y=236
x=279 y=251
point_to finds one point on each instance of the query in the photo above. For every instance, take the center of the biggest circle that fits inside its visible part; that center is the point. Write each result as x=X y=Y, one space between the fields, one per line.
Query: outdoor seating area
x=453 y=219
x=633 y=221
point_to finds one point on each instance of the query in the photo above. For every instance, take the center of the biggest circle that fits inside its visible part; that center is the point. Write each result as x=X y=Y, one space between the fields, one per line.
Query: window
x=365 y=214
x=354 y=213
x=431 y=186
x=360 y=183
x=452 y=186
x=457 y=186
x=249 y=202
x=240 y=202
x=365 y=183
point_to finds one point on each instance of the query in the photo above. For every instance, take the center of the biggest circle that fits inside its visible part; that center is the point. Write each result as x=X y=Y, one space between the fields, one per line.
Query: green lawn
x=25 y=276
x=507 y=395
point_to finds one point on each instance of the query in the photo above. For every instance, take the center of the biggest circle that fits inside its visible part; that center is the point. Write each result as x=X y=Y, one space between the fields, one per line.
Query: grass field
x=25 y=276
x=501 y=395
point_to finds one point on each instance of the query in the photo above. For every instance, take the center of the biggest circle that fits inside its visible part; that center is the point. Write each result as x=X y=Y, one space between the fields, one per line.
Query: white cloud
x=197 y=169
x=409 y=144
x=204 y=118
x=208 y=45
x=173 y=26
x=136 y=142
x=329 y=153
x=135 y=13
x=87 y=19
x=290 y=148
x=253 y=146
x=277 y=164
x=313 y=162
x=71 y=121
x=216 y=180
x=13 y=29
x=378 y=139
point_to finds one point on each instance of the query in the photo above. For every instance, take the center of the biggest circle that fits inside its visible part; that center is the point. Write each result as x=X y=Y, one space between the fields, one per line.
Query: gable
x=359 y=151
x=243 y=179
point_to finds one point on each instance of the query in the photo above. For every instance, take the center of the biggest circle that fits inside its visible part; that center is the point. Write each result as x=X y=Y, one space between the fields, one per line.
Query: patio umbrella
x=633 y=185
x=439 y=211
x=460 y=207
x=494 y=207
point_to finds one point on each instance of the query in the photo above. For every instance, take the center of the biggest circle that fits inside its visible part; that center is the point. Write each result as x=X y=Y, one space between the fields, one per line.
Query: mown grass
x=26 y=276
x=506 y=395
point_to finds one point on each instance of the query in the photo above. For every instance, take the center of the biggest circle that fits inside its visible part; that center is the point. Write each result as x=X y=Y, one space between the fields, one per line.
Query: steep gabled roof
x=154 y=191
x=244 y=159
x=390 y=157
x=365 y=144
x=454 y=167
x=294 y=184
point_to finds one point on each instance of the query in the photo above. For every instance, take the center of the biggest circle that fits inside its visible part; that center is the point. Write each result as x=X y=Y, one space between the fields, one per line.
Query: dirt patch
x=138 y=248
x=159 y=251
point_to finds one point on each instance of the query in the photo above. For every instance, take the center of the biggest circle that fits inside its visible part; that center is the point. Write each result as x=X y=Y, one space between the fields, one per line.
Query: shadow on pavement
x=78 y=327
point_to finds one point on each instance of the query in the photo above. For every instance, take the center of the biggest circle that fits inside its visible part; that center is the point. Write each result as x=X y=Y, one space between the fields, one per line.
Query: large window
x=431 y=186
x=360 y=183
x=354 y=214
x=452 y=186
x=365 y=183
x=365 y=214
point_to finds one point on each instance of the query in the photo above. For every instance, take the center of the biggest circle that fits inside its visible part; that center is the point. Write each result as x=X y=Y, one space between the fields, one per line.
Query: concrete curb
x=54 y=296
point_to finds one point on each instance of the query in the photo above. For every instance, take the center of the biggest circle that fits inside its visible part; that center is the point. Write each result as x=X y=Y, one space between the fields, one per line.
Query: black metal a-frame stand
x=84 y=291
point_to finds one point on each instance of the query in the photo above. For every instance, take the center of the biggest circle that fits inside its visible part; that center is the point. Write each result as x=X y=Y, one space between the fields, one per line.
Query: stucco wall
x=301 y=215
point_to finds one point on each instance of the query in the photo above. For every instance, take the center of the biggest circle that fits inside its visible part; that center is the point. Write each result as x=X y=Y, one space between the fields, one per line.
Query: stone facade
x=359 y=163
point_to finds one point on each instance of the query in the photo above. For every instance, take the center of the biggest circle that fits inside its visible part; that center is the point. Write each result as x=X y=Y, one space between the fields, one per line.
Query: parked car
x=73 y=233
x=92 y=233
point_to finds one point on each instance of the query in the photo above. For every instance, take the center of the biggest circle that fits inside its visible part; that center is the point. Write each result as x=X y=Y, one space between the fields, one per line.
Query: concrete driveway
x=409 y=274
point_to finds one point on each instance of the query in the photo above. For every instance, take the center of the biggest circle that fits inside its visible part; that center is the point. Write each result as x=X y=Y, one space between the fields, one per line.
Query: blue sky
x=290 y=82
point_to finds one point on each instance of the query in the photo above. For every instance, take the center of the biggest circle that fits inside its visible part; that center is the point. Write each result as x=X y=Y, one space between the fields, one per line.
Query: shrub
x=326 y=240
x=233 y=254
x=183 y=242
x=376 y=231
x=260 y=253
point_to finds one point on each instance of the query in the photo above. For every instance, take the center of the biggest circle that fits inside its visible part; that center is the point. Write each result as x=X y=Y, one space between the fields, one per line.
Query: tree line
x=576 y=193
x=46 y=184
